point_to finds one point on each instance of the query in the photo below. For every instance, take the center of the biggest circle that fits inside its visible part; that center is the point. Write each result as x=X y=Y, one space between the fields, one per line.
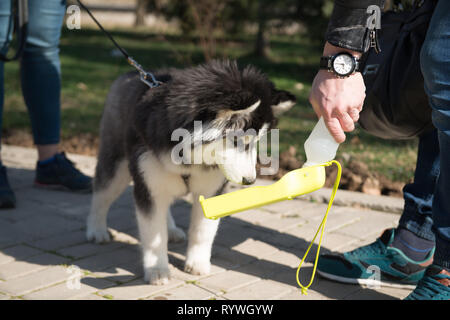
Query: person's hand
x=338 y=101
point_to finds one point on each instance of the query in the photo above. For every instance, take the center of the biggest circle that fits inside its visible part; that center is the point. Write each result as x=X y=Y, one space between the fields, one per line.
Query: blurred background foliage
x=282 y=38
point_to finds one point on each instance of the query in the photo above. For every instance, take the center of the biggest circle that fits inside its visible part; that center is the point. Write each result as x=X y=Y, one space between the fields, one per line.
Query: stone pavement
x=44 y=253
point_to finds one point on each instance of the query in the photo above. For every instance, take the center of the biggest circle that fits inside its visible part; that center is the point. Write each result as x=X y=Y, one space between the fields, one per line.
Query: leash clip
x=146 y=77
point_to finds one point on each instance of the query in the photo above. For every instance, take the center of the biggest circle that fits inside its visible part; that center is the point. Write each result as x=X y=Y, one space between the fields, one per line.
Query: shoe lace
x=429 y=288
x=373 y=249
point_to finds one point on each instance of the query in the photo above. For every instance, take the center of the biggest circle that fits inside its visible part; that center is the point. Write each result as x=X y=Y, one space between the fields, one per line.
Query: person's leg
x=7 y=198
x=435 y=65
x=41 y=86
x=41 y=73
x=6 y=25
x=414 y=236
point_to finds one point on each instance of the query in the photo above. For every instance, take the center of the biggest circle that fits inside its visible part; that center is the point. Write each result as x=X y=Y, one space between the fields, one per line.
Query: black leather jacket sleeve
x=348 y=24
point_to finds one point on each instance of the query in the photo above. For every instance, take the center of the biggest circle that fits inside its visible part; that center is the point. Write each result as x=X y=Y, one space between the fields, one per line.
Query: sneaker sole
x=59 y=187
x=366 y=282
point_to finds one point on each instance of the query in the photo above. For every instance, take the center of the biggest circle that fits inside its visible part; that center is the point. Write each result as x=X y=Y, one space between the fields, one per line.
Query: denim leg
x=435 y=65
x=417 y=213
x=6 y=24
x=40 y=69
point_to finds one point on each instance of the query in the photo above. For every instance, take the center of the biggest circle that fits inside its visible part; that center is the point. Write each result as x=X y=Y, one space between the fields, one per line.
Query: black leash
x=147 y=77
x=20 y=12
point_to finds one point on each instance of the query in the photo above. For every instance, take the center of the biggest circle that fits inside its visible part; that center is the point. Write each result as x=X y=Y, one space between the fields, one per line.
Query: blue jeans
x=427 y=199
x=40 y=71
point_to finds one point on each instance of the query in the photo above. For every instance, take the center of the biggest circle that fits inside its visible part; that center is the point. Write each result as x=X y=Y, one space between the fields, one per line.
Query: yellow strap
x=304 y=289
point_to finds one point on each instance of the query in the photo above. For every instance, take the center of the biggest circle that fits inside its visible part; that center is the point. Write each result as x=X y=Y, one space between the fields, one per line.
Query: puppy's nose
x=247 y=181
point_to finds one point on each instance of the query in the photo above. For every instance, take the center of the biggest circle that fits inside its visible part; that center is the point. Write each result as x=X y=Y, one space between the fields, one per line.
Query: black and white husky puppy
x=137 y=143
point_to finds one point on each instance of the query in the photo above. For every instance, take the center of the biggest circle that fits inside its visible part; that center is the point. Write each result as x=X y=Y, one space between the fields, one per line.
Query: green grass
x=89 y=69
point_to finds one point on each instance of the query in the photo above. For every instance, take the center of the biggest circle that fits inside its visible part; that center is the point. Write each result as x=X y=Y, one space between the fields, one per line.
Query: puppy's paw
x=157 y=276
x=198 y=267
x=176 y=235
x=98 y=235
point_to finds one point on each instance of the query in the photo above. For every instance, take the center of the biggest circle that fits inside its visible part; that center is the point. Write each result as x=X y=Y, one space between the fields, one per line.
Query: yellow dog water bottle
x=320 y=149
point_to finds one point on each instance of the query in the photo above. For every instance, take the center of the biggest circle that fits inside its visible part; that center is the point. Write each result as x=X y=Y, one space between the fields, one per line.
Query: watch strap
x=325 y=62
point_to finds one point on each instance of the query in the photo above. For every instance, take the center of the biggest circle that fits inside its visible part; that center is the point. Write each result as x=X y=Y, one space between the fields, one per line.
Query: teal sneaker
x=435 y=285
x=359 y=266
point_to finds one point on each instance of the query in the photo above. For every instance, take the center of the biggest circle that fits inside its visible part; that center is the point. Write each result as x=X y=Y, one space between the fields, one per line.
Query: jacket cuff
x=348 y=24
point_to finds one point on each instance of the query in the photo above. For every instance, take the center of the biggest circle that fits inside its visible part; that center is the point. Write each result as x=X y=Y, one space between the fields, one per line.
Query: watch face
x=343 y=64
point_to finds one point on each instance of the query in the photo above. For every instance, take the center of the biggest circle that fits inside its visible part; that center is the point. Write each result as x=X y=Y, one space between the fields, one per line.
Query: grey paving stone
x=62 y=291
x=284 y=258
x=4 y=296
x=226 y=281
x=283 y=222
x=123 y=223
x=358 y=243
x=383 y=293
x=137 y=289
x=35 y=281
x=106 y=260
x=32 y=264
x=88 y=249
x=18 y=252
x=371 y=223
x=229 y=258
x=255 y=248
x=255 y=216
x=20 y=177
x=261 y=290
x=10 y=234
x=177 y=272
x=91 y=296
x=340 y=217
x=289 y=207
x=61 y=240
x=126 y=272
x=329 y=289
x=186 y=292
x=351 y=198
x=25 y=208
x=231 y=234
x=130 y=236
x=126 y=199
x=296 y=294
x=40 y=227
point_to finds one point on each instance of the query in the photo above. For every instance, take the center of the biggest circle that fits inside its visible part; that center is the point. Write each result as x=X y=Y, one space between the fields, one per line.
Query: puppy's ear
x=282 y=101
x=240 y=103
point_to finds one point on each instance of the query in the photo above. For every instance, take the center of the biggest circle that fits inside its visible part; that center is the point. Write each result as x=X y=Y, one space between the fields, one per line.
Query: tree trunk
x=262 y=48
x=141 y=11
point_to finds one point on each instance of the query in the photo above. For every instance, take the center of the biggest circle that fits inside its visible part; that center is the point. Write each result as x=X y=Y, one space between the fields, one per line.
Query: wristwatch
x=342 y=64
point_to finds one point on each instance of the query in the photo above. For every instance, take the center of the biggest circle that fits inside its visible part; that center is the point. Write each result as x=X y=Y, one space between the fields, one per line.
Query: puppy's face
x=230 y=139
x=224 y=110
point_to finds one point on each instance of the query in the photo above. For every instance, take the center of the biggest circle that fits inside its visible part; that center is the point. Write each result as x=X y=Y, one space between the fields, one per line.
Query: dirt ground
x=355 y=174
